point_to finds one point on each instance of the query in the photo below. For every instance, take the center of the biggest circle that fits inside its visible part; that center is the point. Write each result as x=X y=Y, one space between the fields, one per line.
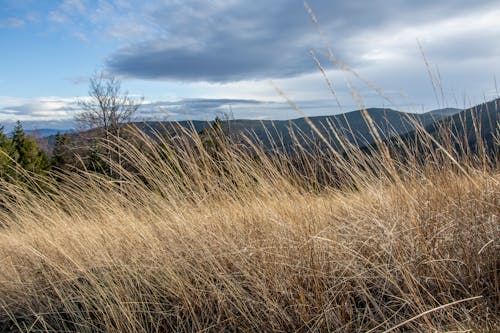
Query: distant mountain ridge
x=481 y=122
x=48 y=128
x=445 y=112
x=350 y=126
x=475 y=130
x=45 y=132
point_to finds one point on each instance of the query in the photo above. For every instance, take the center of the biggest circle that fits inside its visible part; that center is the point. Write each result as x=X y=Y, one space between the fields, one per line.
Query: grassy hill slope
x=191 y=239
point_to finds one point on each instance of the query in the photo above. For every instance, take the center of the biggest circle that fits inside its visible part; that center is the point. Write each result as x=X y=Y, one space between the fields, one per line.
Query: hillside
x=480 y=123
x=350 y=126
x=471 y=130
x=187 y=239
x=445 y=112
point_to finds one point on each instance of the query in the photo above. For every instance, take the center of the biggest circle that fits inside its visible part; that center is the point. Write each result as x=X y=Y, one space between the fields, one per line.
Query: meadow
x=399 y=236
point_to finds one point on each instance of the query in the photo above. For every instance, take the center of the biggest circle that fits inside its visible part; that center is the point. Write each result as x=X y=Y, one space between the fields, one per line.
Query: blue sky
x=191 y=59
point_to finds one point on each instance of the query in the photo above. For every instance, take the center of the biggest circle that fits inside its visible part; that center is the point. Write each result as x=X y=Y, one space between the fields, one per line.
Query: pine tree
x=26 y=152
x=61 y=154
x=6 y=154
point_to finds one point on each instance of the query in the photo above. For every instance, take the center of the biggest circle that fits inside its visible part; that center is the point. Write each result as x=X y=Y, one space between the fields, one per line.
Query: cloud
x=231 y=41
x=197 y=108
x=231 y=49
x=11 y=23
x=38 y=113
x=222 y=41
x=68 y=10
x=219 y=41
x=209 y=108
x=39 y=109
x=42 y=112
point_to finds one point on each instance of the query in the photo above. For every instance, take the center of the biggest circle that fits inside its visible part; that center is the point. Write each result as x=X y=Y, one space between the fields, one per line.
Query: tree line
x=19 y=152
x=103 y=118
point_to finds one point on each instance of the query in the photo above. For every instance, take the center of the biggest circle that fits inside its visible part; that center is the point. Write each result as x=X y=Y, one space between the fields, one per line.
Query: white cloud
x=68 y=10
x=39 y=109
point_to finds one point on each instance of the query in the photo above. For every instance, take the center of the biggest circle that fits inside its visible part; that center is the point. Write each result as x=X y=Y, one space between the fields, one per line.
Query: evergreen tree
x=3 y=137
x=26 y=152
x=6 y=154
x=61 y=154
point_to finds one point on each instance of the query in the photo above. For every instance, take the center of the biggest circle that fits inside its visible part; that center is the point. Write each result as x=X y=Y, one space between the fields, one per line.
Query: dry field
x=189 y=239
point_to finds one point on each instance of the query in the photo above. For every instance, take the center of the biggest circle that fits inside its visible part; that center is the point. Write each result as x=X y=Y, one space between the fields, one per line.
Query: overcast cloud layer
x=239 y=40
x=225 y=52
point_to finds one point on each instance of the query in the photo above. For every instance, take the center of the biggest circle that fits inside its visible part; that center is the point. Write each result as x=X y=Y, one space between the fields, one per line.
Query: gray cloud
x=200 y=109
x=217 y=41
x=220 y=41
x=208 y=109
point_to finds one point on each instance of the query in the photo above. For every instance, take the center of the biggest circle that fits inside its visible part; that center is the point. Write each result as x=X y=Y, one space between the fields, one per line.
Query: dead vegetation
x=196 y=239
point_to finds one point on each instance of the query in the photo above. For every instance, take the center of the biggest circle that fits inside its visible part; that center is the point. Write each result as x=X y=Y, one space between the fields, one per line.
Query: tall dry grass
x=190 y=238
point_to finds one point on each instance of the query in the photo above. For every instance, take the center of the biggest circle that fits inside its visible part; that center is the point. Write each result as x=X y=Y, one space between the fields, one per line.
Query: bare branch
x=107 y=107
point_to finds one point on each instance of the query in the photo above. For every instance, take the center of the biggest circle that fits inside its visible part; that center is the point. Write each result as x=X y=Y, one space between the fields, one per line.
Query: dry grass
x=193 y=240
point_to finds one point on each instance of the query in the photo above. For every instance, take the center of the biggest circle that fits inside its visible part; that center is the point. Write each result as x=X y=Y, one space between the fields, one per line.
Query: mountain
x=44 y=132
x=471 y=130
x=40 y=127
x=351 y=126
x=445 y=112
x=479 y=123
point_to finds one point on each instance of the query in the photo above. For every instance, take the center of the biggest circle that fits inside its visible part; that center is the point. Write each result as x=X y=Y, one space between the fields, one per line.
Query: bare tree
x=107 y=107
x=227 y=117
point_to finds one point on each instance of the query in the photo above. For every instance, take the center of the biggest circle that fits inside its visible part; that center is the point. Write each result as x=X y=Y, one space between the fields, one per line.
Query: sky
x=195 y=59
